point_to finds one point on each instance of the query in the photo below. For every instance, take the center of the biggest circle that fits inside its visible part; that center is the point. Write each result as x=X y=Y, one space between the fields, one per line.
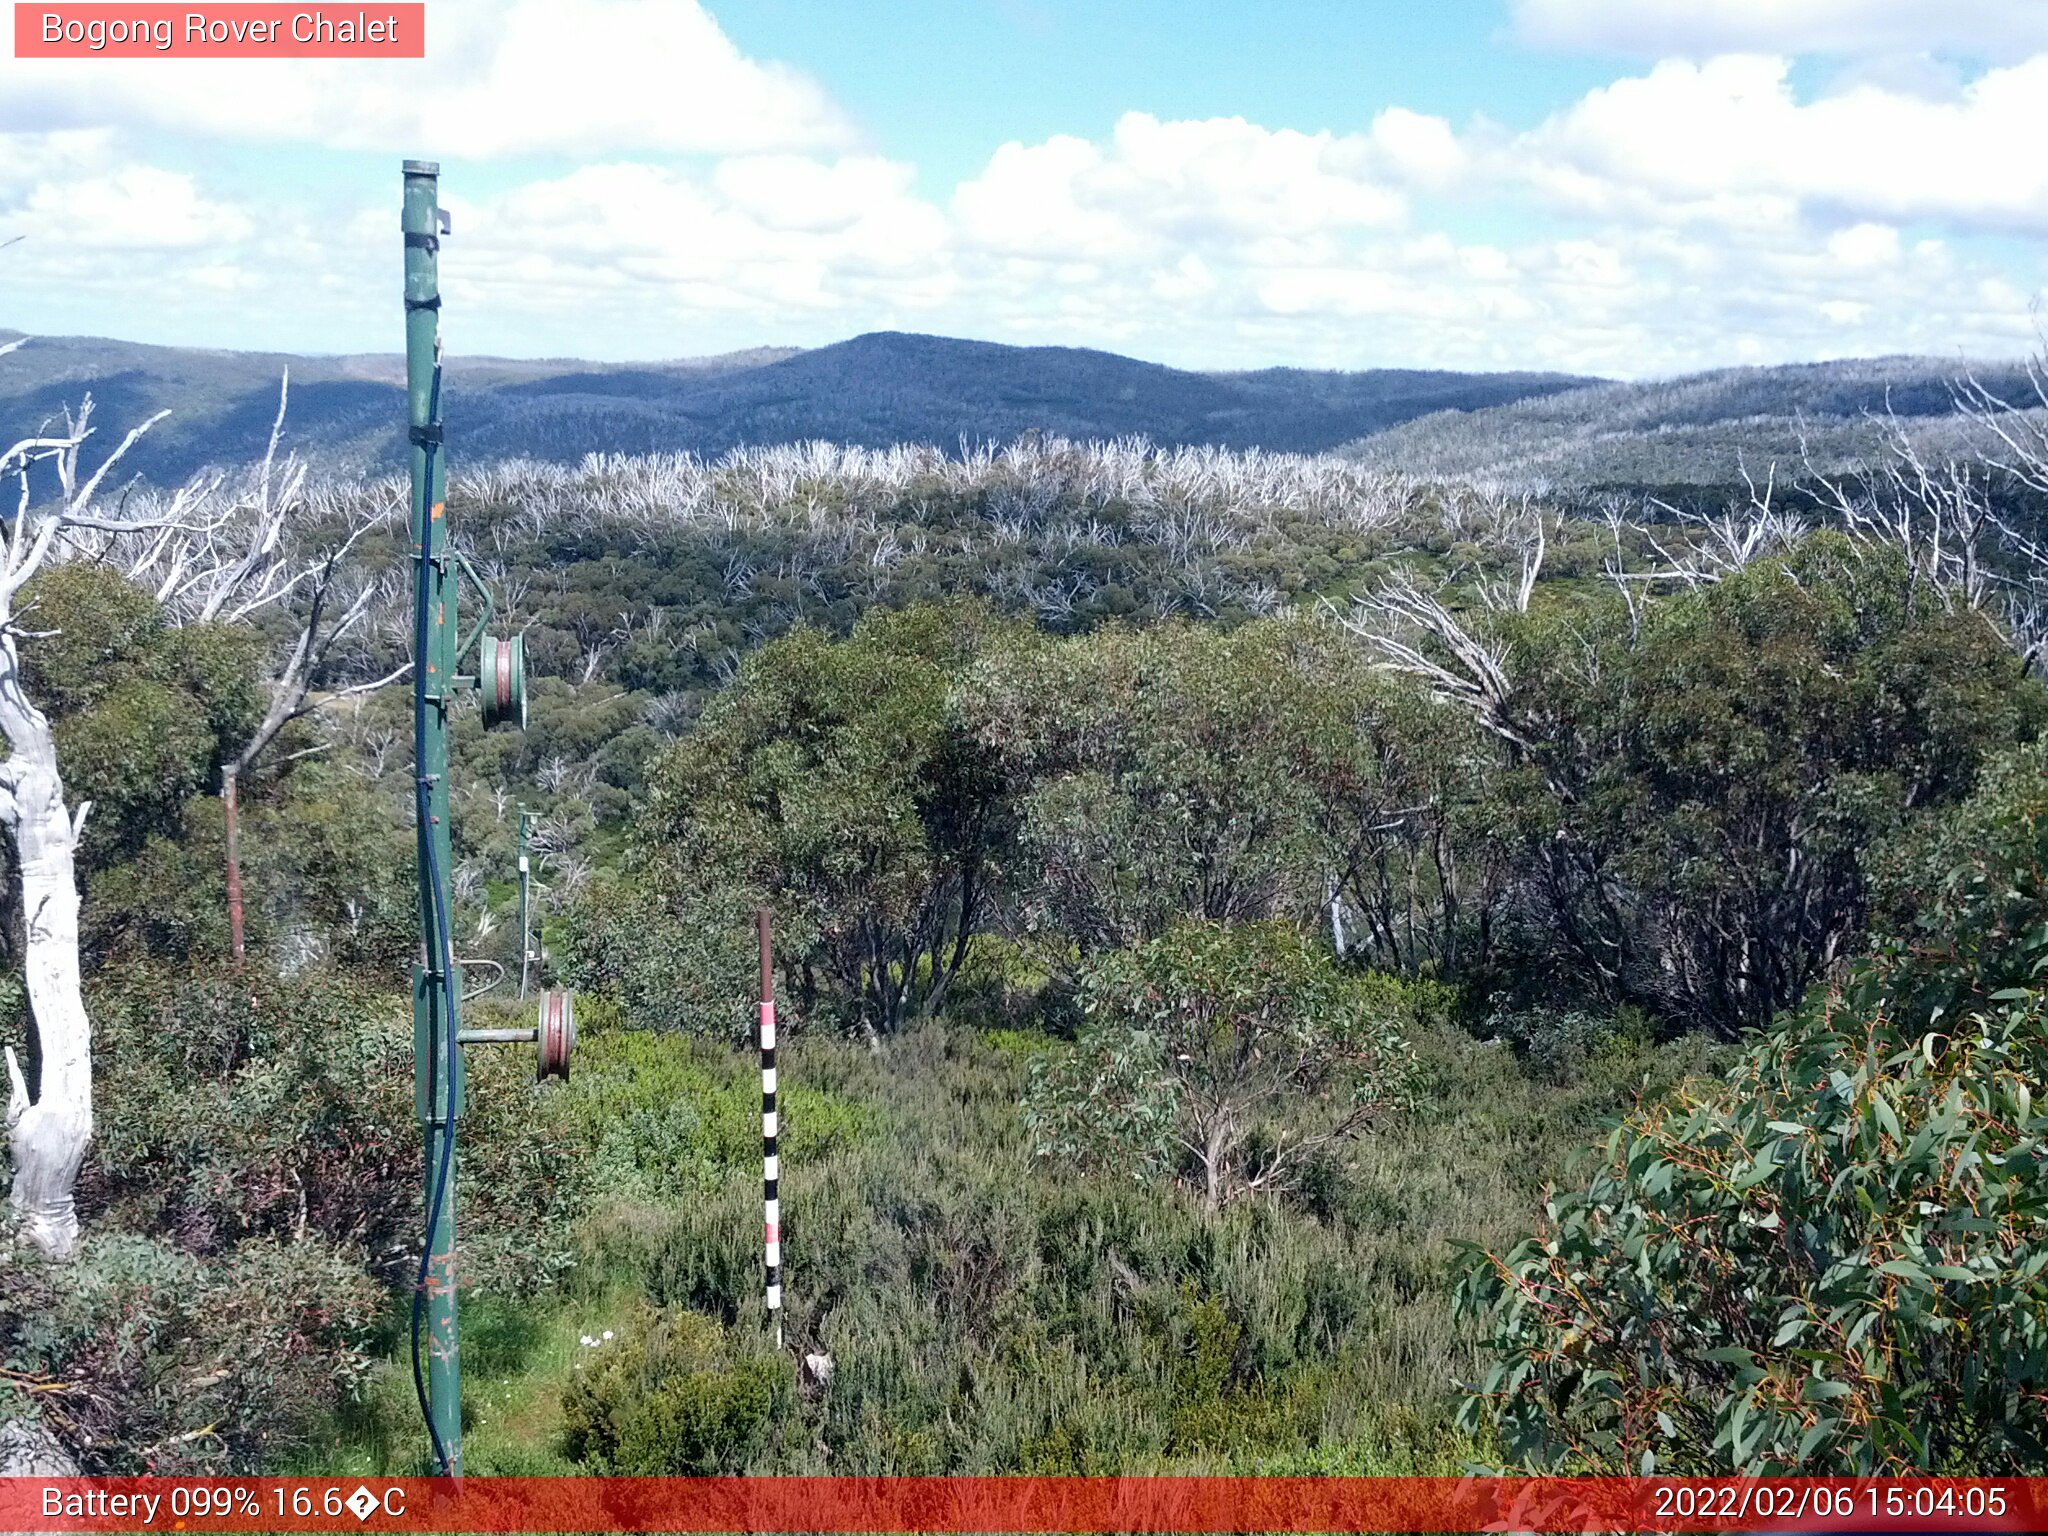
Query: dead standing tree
x=267 y=552
x=1412 y=632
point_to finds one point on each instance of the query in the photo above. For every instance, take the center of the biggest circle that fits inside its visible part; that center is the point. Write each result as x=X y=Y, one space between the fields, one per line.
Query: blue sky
x=942 y=82
x=1626 y=187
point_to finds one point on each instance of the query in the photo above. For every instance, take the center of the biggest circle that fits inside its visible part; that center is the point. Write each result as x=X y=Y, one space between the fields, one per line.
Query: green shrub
x=1837 y=1258
x=1836 y=1261
x=656 y=1118
x=328 y=856
x=522 y=1178
x=684 y=961
x=1233 y=1054
x=1104 y=1105
x=141 y=709
x=675 y=1396
x=1559 y=1044
x=145 y=1358
x=237 y=1104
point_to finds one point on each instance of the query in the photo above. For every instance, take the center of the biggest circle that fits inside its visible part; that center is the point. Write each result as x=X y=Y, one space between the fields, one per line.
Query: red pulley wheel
x=557 y=1032
x=501 y=680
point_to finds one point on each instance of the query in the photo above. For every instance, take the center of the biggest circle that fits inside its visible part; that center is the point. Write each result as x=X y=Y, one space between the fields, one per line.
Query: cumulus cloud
x=1159 y=188
x=1623 y=297
x=767 y=238
x=1710 y=137
x=529 y=76
x=1998 y=29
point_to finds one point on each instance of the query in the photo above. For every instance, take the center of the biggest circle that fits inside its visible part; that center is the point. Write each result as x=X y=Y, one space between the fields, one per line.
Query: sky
x=1632 y=188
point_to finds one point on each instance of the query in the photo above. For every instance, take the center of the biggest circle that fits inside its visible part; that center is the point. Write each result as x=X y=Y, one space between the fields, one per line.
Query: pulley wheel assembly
x=557 y=1035
x=501 y=680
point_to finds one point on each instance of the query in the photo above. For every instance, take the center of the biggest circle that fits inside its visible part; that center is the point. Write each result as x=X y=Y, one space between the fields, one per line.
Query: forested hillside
x=1706 y=429
x=874 y=391
x=1217 y=893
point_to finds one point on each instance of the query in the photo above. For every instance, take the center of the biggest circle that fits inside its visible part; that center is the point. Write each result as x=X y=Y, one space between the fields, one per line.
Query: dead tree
x=256 y=557
x=1413 y=632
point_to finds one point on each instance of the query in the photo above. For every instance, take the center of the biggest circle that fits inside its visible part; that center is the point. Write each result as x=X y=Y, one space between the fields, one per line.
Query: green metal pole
x=435 y=991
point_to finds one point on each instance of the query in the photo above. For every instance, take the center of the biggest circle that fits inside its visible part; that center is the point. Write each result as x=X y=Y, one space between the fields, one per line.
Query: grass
x=517 y=1357
x=987 y=1312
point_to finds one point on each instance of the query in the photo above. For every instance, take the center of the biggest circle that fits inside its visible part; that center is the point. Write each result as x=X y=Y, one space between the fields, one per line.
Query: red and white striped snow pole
x=771 y=1169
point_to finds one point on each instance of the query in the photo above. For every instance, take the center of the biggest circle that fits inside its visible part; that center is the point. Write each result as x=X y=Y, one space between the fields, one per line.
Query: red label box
x=223 y=31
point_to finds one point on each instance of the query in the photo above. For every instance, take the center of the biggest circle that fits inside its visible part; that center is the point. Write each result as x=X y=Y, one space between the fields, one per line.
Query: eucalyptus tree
x=1175 y=771
x=1692 y=780
x=832 y=782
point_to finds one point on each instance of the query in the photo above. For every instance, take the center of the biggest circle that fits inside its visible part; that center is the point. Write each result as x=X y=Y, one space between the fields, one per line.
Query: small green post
x=528 y=950
x=436 y=990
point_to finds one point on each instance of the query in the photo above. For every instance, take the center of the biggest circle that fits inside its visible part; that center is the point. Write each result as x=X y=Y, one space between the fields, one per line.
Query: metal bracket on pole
x=468 y=644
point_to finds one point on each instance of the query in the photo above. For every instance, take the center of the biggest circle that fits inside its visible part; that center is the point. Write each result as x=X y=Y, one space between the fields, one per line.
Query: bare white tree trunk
x=47 y=1134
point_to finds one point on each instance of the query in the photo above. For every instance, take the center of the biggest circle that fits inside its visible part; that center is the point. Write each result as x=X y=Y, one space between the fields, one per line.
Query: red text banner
x=220 y=31
x=1025 y=1504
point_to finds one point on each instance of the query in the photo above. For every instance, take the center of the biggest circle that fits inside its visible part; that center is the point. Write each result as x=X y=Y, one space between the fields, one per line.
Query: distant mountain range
x=874 y=390
x=889 y=387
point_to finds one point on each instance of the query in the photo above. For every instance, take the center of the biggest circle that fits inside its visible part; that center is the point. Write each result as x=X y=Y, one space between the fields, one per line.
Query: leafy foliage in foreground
x=146 y=1357
x=1836 y=1259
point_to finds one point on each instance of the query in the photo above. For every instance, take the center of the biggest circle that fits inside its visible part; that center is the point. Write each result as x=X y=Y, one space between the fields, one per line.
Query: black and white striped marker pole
x=771 y=1169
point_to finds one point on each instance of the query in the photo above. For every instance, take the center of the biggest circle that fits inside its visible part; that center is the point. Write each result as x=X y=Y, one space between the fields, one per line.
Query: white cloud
x=1706 y=138
x=1418 y=149
x=1185 y=281
x=2003 y=29
x=136 y=208
x=1865 y=246
x=1160 y=187
x=529 y=76
x=760 y=236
